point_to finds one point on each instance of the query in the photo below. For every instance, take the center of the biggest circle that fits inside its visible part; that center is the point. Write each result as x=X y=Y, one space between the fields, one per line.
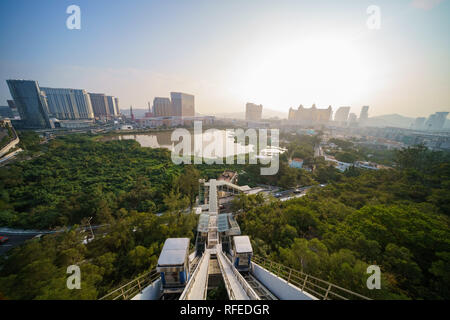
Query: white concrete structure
x=237 y=287
x=279 y=287
x=196 y=288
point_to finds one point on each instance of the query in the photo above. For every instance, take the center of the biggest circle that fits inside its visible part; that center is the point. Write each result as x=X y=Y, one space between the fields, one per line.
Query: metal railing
x=319 y=288
x=244 y=284
x=191 y=282
x=225 y=278
x=132 y=288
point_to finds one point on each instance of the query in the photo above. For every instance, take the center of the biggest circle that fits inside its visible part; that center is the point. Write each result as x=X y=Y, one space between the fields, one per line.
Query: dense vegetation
x=348 y=151
x=6 y=135
x=130 y=246
x=398 y=219
x=120 y=185
x=77 y=178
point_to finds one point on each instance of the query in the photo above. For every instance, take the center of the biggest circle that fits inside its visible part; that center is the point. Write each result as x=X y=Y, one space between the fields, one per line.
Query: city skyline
x=276 y=55
x=69 y=103
x=224 y=151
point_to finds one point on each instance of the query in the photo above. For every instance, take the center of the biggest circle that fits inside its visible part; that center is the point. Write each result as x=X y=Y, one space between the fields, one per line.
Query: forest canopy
x=397 y=218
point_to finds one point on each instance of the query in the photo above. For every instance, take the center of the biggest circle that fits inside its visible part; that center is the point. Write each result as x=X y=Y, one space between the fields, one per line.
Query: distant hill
x=391 y=120
x=138 y=113
x=388 y=120
x=266 y=114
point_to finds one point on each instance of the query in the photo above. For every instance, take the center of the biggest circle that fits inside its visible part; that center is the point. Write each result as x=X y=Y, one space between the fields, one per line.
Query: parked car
x=3 y=239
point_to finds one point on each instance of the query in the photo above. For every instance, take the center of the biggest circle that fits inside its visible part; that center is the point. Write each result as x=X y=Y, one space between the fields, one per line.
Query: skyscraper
x=112 y=106
x=11 y=104
x=6 y=112
x=310 y=116
x=352 y=119
x=253 y=112
x=162 y=107
x=341 y=114
x=30 y=102
x=116 y=100
x=183 y=104
x=14 y=110
x=68 y=104
x=436 y=121
x=99 y=104
x=364 y=115
x=419 y=123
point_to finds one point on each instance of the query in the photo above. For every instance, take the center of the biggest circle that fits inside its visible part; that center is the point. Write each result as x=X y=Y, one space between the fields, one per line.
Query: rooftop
x=242 y=244
x=173 y=252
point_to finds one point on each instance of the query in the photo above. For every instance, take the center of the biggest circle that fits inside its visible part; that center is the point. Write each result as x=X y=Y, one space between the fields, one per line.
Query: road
x=290 y=194
x=9 y=157
x=16 y=237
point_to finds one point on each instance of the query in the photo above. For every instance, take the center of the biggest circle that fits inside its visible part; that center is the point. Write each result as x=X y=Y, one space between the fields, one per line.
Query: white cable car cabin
x=173 y=265
x=242 y=253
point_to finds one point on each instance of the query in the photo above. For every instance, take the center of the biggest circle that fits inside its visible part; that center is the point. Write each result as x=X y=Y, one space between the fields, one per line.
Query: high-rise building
x=116 y=101
x=30 y=102
x=419 y=123
x=68 y=104
x=6 y=112
x=341 y=114
x=100 y=105
x=436 y=121
x=310 y=116
x=364 y=115
x=441 y=118
x=162 y=107
x=14 y=110
x=352 y=118
x=11 y=104
x=112 y=106
x=253 y=112
x=183 y=104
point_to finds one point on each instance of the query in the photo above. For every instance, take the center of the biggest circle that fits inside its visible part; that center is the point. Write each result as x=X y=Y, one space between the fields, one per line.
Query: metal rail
x=192 y=281
x=242 y=283
x=317 y=287
x=132 y=288
x=259 y=288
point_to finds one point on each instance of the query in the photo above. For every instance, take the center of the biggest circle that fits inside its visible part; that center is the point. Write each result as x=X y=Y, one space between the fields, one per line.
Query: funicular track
x=258 y=287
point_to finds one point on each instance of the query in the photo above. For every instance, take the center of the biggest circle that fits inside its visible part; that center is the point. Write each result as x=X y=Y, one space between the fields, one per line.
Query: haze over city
x=236 y=152
x=279 y=54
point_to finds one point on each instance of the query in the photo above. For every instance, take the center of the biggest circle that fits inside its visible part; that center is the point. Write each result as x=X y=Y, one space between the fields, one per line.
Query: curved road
x=17 y=237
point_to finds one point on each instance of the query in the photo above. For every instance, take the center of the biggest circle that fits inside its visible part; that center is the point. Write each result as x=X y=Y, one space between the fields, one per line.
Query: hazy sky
x=276 y=53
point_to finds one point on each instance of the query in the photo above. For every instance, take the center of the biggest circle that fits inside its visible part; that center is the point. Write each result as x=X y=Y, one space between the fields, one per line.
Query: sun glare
x=322 y=70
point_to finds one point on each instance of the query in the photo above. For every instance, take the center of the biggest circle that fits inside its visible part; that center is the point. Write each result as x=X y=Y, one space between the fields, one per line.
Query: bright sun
x=321 y=70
